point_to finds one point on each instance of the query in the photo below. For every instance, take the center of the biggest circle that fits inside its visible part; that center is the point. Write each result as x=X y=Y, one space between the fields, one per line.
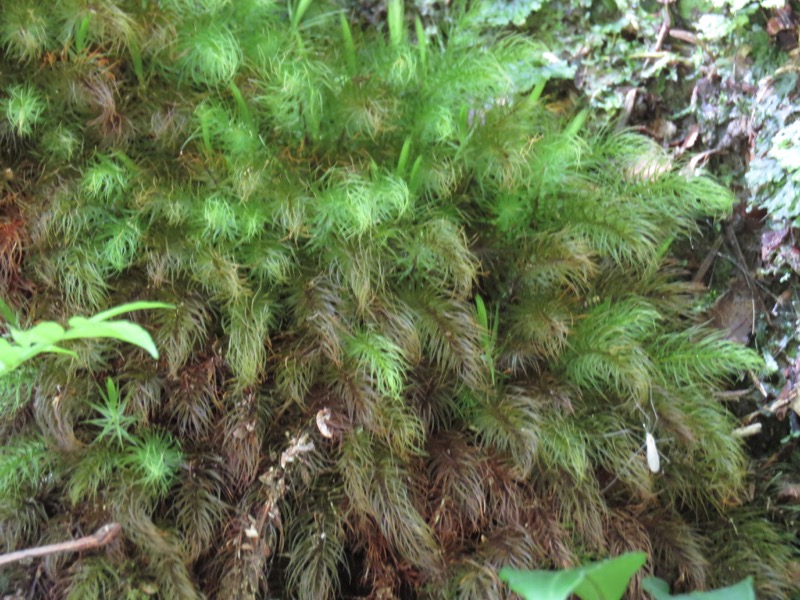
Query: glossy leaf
x=659 y=589
x=606 y=580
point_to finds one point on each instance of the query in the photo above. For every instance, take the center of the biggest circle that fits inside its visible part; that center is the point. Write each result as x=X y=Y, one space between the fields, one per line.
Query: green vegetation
x=423 y=323
x=607 y=580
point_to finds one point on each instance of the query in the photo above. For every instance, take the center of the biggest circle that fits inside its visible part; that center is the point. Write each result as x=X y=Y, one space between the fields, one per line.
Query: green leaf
x=659 y=589
x=43 y=333
x=130 y=307
x=119 y=330
x=8 y=314
x=80 y=34
x=606 y=580
x=396 y=20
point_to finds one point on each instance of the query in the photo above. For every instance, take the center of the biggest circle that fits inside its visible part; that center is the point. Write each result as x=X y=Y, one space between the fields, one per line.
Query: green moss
x=422 y=322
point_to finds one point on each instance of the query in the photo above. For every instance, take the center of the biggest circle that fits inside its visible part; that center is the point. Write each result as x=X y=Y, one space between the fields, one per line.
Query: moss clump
x=421 y=319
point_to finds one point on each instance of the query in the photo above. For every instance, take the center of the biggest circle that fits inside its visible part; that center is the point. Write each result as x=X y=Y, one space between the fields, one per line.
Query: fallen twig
x=106 y=534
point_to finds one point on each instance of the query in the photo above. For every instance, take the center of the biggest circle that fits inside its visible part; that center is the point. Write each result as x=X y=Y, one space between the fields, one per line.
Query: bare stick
x=101 y=537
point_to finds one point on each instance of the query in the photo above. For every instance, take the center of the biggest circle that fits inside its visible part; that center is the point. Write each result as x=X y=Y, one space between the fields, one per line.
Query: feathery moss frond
x=679 y=549
x=24 y=466
x=379 y=487
x=210 y=55
x=248 y=325
x=440 y=252
x=327 y=204
x=606 y=349
x=198 y=505
x=744 y=539
x=317 y=544
x=93 y=579
x=379 y=359
x=698 y=356
x=26 y=31
x=181 y=331
x=93 y=472
x=537 y=329
x=22 y=108
x=450 y=336
x=106 y=179
x=458 y=474
x=154 y=460
x=508 y=421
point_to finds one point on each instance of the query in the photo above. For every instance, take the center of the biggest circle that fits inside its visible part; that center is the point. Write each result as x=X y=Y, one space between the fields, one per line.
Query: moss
x=421 y=318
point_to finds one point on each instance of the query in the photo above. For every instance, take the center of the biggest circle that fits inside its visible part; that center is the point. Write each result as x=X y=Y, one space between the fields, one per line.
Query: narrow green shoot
x=80 y=34
x=349 y=45
x=422 y=42
x=296 y=12
x=396 y=20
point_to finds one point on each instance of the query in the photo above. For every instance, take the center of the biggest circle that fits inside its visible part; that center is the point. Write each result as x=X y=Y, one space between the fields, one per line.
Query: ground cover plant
x=424 y=326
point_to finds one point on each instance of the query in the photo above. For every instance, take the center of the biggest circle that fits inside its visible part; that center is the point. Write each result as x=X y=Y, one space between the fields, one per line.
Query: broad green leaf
x=610 y=578
x=42 y=333
x=120 y=330
x=8 y=356
x=659 y=589
x=542 y=585
x=606 y=580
